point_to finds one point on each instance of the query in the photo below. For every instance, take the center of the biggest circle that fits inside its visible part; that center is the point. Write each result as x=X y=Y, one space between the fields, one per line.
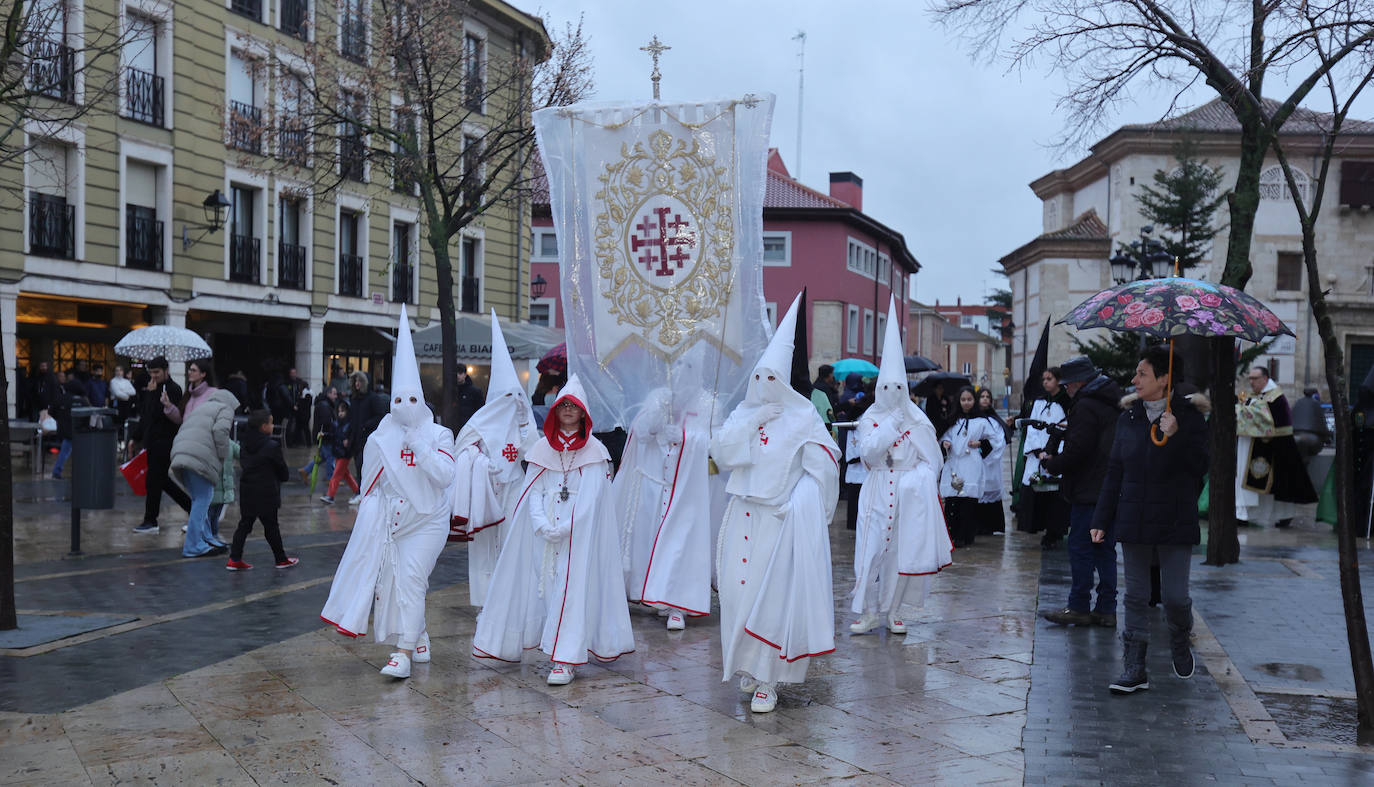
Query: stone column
x=174 y=314
x=9 y=302
x=310 y=360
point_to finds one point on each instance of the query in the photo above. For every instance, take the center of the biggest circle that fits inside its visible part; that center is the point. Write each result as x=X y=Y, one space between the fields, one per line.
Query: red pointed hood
x=575 y=393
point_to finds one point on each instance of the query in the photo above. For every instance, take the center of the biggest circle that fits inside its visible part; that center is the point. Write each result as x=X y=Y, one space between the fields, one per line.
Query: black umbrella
x=920 y=363
x=950 y=380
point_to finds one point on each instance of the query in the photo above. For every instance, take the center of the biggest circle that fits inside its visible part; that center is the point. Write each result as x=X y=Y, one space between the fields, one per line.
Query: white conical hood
x=777 y=357
x=503 y=376
x=405 y=373
x=892 y=368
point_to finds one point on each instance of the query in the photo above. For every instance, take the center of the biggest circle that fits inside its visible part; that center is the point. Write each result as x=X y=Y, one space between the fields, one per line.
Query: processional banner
x=658 y=210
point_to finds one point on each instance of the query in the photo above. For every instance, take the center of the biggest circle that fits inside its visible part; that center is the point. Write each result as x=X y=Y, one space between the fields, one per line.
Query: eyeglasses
x=567 y=406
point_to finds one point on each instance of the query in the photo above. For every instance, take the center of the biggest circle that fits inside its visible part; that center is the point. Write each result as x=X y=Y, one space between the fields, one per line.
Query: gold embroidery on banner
x=665 y=238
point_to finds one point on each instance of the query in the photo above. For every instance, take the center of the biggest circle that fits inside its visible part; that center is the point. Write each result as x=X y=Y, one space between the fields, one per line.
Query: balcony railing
x=290 y=265
x=352 y=154
x=52 y=226
x=402 y=283
x=471 y=287
x=293 y=17
x=249 y=8
x=52 y=69
x=142 y=240
x=144 y=96
x=295 y=142
x=353 y=39
x=245 y=258
x=351 y=275
x=245 y=127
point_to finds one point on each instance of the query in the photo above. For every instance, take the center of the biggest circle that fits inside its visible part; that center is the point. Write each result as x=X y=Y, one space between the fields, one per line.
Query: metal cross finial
x=655 y=48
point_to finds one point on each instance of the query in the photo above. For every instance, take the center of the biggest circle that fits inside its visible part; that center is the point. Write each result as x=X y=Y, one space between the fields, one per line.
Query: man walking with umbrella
x=156 y=431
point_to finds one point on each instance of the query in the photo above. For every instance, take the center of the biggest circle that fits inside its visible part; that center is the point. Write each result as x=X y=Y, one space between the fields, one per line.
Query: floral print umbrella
x=1174 y=306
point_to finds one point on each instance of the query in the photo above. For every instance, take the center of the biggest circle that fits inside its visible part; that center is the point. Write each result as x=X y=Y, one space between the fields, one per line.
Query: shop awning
x=474 y=340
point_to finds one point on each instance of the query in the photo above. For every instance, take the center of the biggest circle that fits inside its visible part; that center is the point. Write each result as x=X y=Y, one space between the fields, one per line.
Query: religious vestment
x=961 y=479
x=1271 y=479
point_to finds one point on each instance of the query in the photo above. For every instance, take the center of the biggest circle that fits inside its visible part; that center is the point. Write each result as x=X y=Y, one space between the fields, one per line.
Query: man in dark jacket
x=467 y=396
x=1082 y=463
x=156 y=432
x=366 y=409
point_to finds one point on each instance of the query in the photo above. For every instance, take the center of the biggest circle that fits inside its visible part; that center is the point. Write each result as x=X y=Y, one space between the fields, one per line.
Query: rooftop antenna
x=800 y=37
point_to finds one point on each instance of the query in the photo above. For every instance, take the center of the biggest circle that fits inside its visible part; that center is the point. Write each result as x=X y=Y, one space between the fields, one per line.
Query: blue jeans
x=198 y=537
x=1085 y=557
x=62 y=454
x=327 y=454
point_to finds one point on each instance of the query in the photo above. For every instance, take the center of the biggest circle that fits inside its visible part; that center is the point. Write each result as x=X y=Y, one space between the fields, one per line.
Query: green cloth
x=1326 y=502
x=1203 y=505
x=1019 y=471
x=224 y=487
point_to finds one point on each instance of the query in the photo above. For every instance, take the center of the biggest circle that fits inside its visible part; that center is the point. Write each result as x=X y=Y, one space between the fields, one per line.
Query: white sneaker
x=354 y=500
x=421 y=654
x=865 y=624
x=765 y=699
x=675 y=621
x=747 y=684
x=183 y=528
x=398 y=666
x=560 y=675
x=896 y=625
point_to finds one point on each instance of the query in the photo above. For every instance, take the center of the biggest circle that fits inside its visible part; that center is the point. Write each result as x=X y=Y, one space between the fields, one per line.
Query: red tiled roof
x=1086 y=227
x=784 y=192
x=1215 y=116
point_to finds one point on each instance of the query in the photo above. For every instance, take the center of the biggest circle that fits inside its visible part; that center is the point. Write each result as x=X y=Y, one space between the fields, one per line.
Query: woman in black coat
x=1148 y=504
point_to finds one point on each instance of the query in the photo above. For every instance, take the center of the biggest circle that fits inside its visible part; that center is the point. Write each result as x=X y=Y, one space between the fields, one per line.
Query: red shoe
x=289 y=562
x=237 y=565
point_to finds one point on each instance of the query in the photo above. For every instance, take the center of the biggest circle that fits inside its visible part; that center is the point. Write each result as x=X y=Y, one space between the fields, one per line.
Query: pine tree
x=1183 y=204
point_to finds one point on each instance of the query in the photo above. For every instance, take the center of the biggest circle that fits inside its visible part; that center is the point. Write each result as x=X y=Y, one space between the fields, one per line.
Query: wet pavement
x=208 y=676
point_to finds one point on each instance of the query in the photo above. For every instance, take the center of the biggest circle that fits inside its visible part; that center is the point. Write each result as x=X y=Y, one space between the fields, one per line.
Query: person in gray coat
x=198 y=454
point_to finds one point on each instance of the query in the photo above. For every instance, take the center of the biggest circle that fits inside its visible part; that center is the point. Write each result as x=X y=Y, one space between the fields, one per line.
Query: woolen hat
x=1077 y=369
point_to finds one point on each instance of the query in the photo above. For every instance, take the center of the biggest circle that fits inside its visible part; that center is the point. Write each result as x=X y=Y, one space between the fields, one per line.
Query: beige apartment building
x=104 y=224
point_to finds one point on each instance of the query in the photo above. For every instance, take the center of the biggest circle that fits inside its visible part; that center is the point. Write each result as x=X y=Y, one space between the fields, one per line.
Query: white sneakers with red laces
x=398 y=666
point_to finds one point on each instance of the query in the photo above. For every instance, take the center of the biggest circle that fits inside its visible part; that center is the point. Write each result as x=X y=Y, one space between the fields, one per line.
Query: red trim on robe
x=339 y=628
x=672 y=493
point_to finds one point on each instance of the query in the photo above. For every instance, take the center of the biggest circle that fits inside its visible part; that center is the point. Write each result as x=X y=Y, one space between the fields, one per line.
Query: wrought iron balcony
x=142 y=239
x=402 y=283
x=52 y=69
x=353 y=39
x=294 y=142
x=290 y=265
x=249 y=8
x=351 y=275
x=143 y=94
x=352 y=155
x=245 y=258
x=471 y=289
x=294 y=15
x=52 y=226
x=245 y=127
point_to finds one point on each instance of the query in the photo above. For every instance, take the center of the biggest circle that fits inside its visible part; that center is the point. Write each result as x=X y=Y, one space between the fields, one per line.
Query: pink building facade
x=848 y=262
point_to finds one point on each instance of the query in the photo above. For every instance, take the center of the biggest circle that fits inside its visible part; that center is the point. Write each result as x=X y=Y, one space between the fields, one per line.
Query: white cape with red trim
x=899 y=505
x=663 y=495
x=791 y=608
x=573 y=611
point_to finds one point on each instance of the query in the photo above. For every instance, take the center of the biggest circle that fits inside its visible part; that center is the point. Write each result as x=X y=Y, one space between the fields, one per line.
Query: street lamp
x=214 y=207
x=1136 y=260
x=538 y=286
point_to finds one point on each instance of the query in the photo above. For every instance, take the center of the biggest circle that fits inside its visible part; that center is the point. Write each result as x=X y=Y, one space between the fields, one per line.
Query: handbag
x=136 y=473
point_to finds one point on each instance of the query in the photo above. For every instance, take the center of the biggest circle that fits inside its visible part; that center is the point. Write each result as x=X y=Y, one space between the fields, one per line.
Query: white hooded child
x=558 y=583
x=664 y=494
x=774 y=572
x=487 y=467
x=900 y=537
x=402 y=522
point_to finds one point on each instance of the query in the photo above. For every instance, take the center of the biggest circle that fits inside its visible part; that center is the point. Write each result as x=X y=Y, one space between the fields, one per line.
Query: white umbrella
x=174 y=344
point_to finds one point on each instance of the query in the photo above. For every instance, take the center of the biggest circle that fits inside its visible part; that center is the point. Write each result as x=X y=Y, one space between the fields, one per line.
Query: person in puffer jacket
x=198 y=454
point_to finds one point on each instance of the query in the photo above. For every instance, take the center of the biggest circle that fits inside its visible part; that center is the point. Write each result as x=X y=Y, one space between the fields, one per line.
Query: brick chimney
x=847 y=187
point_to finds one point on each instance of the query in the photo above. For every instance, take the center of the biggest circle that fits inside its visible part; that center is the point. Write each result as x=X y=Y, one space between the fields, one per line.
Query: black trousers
x=271 y=531
x=961 y=518
x=158 y=482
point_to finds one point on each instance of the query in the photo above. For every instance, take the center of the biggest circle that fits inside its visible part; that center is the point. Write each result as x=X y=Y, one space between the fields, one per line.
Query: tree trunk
x=448 y=324
x=8 y=618
x=1223 y=545
x=1352 y=598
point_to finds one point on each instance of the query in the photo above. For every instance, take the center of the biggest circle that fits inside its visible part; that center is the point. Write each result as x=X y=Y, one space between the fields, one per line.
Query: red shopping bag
x=136 y=473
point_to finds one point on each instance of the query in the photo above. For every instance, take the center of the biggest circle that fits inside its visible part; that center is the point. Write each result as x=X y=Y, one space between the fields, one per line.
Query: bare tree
x=50 y=78
x=443 y=115
x=1104 y=47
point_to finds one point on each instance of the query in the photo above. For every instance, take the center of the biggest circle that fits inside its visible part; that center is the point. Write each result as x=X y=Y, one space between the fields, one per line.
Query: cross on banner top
x=655 y=48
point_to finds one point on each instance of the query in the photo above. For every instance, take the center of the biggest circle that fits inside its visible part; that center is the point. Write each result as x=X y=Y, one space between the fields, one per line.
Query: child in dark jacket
x=264 y=470
x=338 y=438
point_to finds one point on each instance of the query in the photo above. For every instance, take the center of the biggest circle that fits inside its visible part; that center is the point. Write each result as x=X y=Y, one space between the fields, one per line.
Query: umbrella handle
x=1156 y=436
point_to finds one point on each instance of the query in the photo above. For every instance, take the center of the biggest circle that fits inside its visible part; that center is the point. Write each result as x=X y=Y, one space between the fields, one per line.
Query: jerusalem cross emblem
x=509 y=452
x=408 y=456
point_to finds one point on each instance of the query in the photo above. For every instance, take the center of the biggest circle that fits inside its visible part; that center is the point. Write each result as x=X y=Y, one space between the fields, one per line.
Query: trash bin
x=93 y=457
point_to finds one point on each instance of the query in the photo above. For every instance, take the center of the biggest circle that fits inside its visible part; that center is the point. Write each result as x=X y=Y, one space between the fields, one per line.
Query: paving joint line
x=154 y=564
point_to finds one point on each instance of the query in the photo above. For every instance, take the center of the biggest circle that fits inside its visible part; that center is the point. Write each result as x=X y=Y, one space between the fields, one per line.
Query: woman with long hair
x=966 y=442
x=199 y=451
x=992 y=518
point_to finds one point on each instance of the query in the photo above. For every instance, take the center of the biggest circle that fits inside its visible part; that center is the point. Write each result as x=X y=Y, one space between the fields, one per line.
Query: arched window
x=1273 y=185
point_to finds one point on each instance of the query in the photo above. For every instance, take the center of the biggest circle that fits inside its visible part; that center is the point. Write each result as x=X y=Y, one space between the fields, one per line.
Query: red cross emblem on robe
x=763 y=436
x=408 y=456
x=510 y=453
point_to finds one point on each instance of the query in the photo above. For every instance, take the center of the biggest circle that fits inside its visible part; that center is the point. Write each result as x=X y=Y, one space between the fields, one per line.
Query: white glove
x=766 y=413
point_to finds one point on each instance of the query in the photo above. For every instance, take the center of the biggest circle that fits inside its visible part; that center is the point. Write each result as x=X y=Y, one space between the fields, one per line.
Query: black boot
x=1133 y=676
x=1180 y=629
